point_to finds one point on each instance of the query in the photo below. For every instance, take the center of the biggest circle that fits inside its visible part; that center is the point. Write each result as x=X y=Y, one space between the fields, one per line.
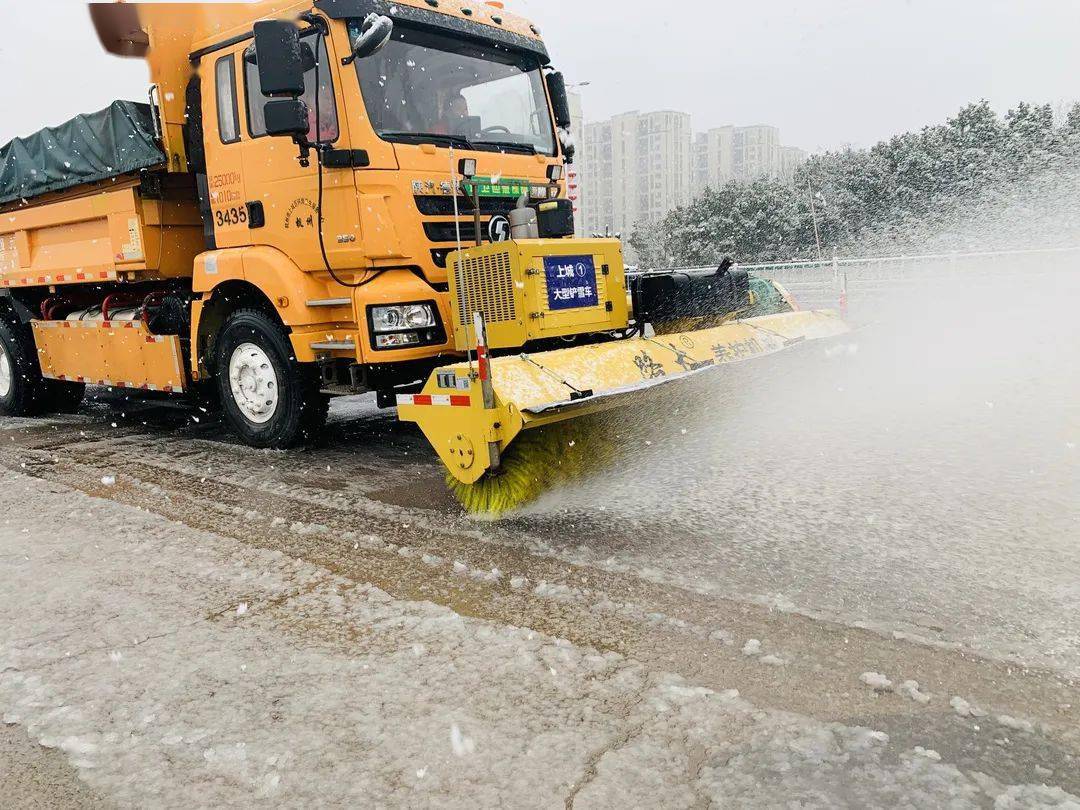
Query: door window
x=227 y=115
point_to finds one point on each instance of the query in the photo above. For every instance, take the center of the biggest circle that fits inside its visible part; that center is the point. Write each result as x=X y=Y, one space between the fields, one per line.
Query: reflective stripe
x=442 y=400
x=483 y=363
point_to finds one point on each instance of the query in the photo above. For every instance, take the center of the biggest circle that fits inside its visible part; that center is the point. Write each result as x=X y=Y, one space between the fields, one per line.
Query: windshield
x=425 y=86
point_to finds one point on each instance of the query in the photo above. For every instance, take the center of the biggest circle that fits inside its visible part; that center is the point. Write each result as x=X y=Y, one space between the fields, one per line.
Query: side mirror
x=286 y=116
x=281 y=58
x=560 y=102
x=374 y=34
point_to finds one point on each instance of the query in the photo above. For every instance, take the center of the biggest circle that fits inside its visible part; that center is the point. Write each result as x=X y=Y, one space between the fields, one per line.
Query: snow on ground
x=925 y=485
x=179 y=668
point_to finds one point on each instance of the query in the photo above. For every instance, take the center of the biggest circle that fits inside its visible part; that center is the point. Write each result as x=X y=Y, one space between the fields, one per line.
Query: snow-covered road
x=204 y=631
x=862 y=595
x=176 y=667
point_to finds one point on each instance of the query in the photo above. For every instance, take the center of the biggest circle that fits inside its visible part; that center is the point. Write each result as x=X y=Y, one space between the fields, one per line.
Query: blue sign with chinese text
x=571 y=282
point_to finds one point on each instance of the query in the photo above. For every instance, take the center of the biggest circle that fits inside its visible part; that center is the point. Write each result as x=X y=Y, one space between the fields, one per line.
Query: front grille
x=485 y=284
x=444 y=206
x=448 y=232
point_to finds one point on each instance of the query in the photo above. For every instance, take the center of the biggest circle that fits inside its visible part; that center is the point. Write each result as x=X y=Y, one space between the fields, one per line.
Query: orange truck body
x=385 y=222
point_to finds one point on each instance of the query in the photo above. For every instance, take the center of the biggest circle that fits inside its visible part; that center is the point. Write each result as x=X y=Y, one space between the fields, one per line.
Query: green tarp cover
x=92 y=147
x=767 y=299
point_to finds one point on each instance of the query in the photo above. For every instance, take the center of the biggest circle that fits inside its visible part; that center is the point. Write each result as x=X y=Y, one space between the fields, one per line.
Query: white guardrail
x=841 y=282
x=903 y=259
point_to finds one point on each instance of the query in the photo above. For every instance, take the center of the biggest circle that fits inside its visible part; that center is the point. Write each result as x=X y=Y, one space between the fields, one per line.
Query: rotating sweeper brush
x=508 y=423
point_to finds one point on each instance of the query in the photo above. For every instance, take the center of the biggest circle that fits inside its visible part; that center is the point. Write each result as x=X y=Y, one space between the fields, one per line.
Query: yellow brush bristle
x=537 y=461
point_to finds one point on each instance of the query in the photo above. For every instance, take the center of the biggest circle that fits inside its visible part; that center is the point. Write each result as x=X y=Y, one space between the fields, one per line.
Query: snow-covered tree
x=899 y=194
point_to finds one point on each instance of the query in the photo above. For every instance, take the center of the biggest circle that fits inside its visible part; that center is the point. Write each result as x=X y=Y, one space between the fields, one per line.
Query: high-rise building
x=756 y=152
x=577 y=115
x=573 y=171
x=636 y=169
x=744 y=154
x=714 y=158
x=791 y=158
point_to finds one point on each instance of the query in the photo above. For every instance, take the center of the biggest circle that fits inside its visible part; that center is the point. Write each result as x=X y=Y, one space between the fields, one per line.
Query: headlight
x=403 y=318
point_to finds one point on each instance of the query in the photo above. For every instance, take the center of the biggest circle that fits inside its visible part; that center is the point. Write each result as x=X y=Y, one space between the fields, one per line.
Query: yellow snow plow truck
x=342 y=196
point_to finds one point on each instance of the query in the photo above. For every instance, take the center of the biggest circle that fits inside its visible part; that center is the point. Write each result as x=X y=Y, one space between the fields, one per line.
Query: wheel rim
x=5 y=371
x=254 y=383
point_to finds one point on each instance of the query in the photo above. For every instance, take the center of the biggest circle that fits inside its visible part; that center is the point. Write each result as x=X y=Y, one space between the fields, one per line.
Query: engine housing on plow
x=536 y=290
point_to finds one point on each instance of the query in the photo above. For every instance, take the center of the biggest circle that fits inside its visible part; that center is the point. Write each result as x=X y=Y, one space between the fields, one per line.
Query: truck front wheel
x=269 y=398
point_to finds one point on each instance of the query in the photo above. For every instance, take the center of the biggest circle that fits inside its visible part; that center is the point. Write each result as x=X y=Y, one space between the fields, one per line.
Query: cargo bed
x=89 y=148
x=89 y=201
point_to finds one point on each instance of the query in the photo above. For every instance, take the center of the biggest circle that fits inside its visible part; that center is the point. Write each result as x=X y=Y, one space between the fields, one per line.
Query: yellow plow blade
x=533 y=390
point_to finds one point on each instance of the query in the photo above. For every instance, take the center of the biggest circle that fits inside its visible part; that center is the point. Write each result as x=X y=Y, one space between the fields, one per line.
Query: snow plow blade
x=534 y=390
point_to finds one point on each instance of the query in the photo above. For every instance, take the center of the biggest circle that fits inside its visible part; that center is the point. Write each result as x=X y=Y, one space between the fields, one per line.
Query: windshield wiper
x=431 y=137
x=525 y=148
x=460 y=142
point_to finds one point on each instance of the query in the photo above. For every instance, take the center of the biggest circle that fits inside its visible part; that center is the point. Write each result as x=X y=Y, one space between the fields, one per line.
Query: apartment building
x=744 y=154
x=714 y=158
x=573 y=171
x=791 y=158
x=635 y=168
x=756 y=152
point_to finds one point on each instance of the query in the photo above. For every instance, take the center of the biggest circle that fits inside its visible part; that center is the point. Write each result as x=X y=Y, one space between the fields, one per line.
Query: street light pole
x=813 y=213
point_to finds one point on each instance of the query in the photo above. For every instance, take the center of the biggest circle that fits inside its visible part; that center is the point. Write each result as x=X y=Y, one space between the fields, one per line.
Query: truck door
x=282 y=196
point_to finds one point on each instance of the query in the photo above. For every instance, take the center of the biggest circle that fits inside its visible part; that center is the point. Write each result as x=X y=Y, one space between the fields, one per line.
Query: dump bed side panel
x=100 y=234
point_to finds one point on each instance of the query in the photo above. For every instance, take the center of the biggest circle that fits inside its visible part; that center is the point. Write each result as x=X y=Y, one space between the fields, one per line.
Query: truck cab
x=462 y=82
x=343 y=231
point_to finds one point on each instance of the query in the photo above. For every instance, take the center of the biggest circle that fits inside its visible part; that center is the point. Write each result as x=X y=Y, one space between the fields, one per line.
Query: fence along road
x=870 y=282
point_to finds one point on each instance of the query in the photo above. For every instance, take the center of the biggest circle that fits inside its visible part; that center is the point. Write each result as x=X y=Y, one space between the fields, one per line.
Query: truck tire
x=269 y=398
x=21 y=385
x=23 y=391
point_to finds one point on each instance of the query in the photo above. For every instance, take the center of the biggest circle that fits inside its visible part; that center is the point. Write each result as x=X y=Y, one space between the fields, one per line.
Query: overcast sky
x=827 y=72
